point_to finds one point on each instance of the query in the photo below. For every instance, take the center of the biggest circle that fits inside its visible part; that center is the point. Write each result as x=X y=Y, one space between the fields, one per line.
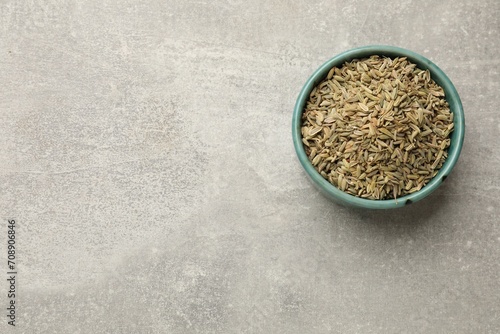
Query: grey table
x=146 y=156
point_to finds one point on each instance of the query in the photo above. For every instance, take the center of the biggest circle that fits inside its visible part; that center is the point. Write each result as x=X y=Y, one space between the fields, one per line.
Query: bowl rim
x=391 y=51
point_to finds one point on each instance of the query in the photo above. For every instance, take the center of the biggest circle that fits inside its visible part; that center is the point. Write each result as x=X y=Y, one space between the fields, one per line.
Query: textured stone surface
x=146 y=154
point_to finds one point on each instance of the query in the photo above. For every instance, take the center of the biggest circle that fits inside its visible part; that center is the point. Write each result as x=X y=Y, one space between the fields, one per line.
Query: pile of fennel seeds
x=377 y=128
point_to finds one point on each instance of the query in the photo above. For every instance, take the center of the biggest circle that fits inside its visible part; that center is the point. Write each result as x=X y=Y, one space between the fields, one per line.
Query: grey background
x=146 y=154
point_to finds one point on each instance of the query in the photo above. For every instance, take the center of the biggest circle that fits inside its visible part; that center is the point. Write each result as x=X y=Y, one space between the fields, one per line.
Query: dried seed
x=363 y=106
x=313 y=131
x=313 y=153
x=330 y=73
x=316 y=160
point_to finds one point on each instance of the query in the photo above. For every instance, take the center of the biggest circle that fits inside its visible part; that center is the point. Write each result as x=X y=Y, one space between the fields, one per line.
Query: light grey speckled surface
x=146 y=155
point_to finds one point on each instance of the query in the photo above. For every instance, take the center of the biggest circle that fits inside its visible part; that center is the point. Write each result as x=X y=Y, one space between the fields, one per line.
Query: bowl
x=456 y=137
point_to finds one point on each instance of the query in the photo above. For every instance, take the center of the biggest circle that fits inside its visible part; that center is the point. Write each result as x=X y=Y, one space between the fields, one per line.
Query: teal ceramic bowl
x=457 y=136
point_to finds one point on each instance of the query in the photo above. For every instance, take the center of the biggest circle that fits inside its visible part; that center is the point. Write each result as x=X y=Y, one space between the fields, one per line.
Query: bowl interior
x=456 y=137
